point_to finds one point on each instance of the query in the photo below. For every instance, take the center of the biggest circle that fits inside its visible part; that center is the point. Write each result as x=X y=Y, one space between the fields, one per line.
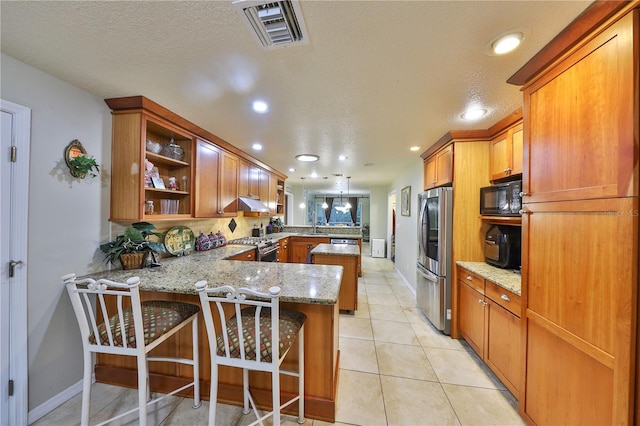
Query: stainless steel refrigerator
x=434 y=274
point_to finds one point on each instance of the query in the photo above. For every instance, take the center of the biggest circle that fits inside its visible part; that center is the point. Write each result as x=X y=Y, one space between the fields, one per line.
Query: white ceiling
x=376 y=78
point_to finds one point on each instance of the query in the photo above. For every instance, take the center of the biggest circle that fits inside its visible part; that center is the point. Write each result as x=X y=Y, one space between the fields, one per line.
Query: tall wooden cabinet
x=580 y=229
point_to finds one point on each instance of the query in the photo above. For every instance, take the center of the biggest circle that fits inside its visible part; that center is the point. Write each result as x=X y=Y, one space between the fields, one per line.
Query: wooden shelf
x=502 y=220
x=161 y=159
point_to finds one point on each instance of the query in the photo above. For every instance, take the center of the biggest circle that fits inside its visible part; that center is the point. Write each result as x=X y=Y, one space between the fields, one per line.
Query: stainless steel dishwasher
x=343 y=241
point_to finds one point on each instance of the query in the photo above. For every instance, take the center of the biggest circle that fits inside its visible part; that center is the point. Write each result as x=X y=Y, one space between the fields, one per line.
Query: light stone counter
x=300 y=283
x=505 y=278
x=337 y=249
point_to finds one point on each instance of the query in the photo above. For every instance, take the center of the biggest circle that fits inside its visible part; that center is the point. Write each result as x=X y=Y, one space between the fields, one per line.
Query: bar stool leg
x=245 y=390
x=143 y=386
x=275 y=390
x=86 y=387
x=213 y=394
x=301 y=375
x=196 y=364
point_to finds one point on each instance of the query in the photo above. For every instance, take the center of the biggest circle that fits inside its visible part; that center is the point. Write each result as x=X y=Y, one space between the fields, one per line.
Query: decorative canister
x=173 y=150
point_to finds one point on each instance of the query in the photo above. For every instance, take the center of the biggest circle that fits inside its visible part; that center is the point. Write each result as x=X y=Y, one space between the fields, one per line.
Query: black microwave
x=501 y=200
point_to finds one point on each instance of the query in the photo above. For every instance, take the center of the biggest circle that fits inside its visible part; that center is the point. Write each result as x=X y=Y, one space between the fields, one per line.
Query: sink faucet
x=315 y=219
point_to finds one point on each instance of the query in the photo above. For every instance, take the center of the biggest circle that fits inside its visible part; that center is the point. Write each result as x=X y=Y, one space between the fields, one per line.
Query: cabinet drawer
x=508 y=300
x=474 y=280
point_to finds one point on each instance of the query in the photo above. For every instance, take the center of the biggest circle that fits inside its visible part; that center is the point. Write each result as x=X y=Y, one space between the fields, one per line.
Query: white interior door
x=14 y=175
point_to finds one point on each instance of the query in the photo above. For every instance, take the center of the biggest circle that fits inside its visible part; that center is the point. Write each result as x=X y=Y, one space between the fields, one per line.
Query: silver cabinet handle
x=469 y=277
x=505 y=297
x=521 y=211
x=523 y=194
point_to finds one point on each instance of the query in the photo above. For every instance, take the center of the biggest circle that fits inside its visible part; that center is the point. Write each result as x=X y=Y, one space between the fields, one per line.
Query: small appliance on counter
x=502 y=246
x=501 y=200
x=257 y=232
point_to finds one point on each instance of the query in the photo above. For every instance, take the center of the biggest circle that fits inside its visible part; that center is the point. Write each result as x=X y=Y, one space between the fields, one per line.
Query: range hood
x=247 y=204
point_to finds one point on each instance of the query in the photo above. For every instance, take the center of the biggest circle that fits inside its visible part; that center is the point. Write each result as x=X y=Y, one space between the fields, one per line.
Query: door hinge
x=14 y=154
x=10 y=387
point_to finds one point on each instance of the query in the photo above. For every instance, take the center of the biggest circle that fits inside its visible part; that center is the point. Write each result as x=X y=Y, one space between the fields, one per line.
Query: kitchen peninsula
x=312 y=289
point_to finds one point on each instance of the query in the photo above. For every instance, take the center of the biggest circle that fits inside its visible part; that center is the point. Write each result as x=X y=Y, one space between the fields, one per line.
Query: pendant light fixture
x=302 y=203
x=348 y=205
x=324 y=204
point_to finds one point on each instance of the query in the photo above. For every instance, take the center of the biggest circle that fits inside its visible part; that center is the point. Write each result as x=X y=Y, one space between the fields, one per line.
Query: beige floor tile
x=359 y=399
x=404 y=361
x=363 y=308
x=403 y=291
x=185 y=414
x=358 y=355
x=380 y=280
x=128 y=400
x=393 y=332
x=378 y=289
x=430 y=337
x=413 y=314
x=416 y=402
x=357 y=328
x=461 y=368
x=321 y=423
x=477 y=406
x=406 y=302
x=387 y=312
x=382 y=299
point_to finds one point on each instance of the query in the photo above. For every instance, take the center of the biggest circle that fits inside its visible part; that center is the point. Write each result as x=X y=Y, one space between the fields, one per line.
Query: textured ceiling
x=376 y=78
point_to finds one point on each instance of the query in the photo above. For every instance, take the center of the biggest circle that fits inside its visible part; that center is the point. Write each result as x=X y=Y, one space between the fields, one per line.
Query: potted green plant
x=133 y=246
x=80 y=165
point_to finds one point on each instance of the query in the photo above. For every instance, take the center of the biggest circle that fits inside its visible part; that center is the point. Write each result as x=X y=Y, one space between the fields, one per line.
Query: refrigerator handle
x=427 y=274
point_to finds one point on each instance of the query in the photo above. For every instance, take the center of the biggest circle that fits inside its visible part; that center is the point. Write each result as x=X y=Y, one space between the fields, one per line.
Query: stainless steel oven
x=268 y=253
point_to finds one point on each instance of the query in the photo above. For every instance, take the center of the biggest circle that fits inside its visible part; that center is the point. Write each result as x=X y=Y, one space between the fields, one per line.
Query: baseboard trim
x=52 y=403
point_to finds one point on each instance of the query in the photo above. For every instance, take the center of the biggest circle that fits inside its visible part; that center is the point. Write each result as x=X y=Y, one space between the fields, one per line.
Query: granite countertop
x=505 y=278
x=337 y=249
x=281 y=235
x=300 y=283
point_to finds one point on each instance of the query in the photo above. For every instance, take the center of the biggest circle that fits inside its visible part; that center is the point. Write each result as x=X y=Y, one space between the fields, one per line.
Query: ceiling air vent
x=275 y=24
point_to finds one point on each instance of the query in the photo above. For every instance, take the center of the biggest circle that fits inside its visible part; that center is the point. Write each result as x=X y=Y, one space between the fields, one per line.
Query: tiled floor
x=395 y=369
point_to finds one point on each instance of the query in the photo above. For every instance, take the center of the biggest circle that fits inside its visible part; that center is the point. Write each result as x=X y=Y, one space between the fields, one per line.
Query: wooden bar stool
x=244 y=345
x=131 y=328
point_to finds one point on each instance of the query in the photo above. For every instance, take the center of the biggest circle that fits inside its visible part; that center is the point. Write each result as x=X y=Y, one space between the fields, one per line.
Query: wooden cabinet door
x=471 y=316
x=580 y=265
x=255 y=176
x=430 y=173
x=517 y=138
x=500 y=156
x=581 y=116
x=503 y=351
x=273 y=194
x=244 y=173
x=301 y=246
x=283 y=251
x=207 y=179
x=248 y=256
x=444 y=166
x=228 y=191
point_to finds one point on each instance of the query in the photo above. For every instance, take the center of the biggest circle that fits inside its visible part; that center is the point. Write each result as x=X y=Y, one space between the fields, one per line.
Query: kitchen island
x=311 y=289
x=345 y=255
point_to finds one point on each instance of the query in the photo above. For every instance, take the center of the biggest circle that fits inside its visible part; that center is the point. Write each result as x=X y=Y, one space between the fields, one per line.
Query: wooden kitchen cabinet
x=505 y=154
x=438 y=169
x=283 y=251
x=216 y=183
x=247 y=255
x=301 y=246
x=128 y=153
x=348 y=299
x=580 y=225
x=489 y=318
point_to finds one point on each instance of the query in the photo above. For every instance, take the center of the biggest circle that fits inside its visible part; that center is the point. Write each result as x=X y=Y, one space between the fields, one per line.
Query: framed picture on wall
x=405 y=201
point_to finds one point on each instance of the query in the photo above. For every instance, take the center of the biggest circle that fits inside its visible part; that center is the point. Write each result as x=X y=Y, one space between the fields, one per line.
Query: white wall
x=67 y=217
x=406 y=226
x=378 y=212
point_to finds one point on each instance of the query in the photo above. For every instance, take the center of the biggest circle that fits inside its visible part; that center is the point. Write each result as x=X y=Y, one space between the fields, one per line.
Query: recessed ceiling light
x=506 y=41
x=473 y=114
x=314 y=175
x=260 y=107
x=414 y=148
x=291 y=169
x=307 y=158
x=342 y=157
x=257 y=146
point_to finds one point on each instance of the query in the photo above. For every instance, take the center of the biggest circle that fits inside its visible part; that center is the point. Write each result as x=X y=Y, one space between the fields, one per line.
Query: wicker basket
x=133 y=260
